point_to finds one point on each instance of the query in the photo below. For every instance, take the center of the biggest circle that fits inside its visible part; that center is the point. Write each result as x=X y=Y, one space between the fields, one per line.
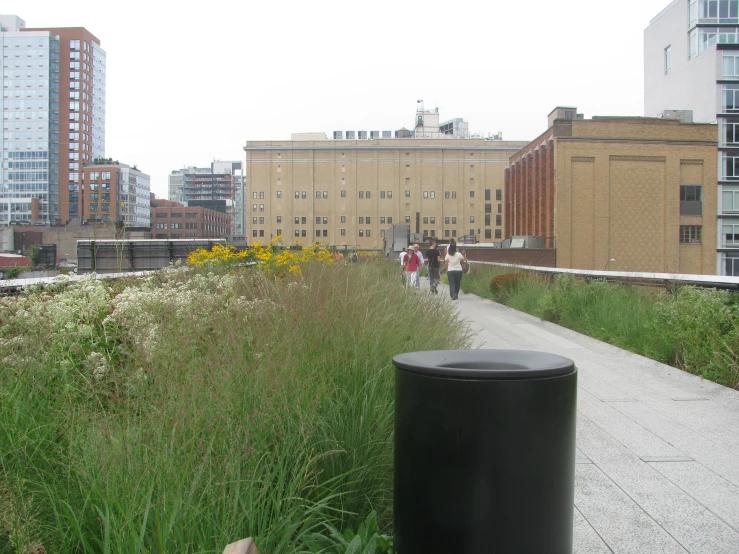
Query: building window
x=447 y=220
x=343 y=194
x=367 y=194
x=361 y=232
x=498 y=195
x=407 y=219
x=318 y=232
x=343 y=232
x=303 y=194
x=389 y=220
x=487 y=219
x=500 y=208
x=297 y=232
x=488 y=233
x=447 y=194
x=691 y=197
x=279 y=219
x=367 y=220
x=729 y=131
x=325 y=232
x=297 y=221
x=498 y=220
x=279 y=194
x=472 y=220
x=382 y=220
x=318 y=195
x=279 y=232
x=433 y=220
x=730 y=199
x=303 y=233
x=498 y=233
x=303 y=220
x=361 y=194
x=261 y=207
x=488 y=208
x=390 y=194
x=425 y=221
x=318 y=220
x=446 y=232
x=729 y=166
x=691 y=234
x=407 y=194
x=325 y=194
x=730 y=65
x=432 y=194
x=472 y=194
x=730 y=97
x=730 y=264
x=343 y=219
x=729 y=233
x=382 y=194
x=297 y=194
x=382 y=232
x=425 y=194
x=261 y=221
x=367 y=232
x=254 y=220
x=668 y=59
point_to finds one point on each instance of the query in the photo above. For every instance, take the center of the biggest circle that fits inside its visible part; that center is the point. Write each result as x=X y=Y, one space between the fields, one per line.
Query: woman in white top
x=453 y=264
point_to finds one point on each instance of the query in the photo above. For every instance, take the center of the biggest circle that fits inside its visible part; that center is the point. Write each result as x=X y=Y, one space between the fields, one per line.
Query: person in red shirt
x=412 y=263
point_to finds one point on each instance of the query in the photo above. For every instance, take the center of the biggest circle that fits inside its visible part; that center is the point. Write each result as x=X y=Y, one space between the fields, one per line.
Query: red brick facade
x=172 y=220
x=529 y=191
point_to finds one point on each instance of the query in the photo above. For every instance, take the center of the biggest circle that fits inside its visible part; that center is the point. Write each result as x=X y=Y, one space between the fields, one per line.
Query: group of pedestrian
x=412 y=260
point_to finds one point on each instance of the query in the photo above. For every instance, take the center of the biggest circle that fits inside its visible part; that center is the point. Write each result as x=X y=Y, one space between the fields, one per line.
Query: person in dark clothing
x=432 y=256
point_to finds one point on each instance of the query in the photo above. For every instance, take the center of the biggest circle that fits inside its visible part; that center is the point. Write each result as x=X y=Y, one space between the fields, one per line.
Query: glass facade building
x=53 y=106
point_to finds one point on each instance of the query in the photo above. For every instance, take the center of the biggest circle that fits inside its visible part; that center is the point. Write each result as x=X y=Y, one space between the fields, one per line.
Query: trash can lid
x=490 y=365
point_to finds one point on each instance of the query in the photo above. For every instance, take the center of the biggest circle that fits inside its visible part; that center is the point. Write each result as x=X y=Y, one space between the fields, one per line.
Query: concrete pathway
x=658 y=449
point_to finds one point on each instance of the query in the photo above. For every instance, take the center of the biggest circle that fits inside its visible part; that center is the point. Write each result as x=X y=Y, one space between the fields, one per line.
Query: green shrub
x=702 y=325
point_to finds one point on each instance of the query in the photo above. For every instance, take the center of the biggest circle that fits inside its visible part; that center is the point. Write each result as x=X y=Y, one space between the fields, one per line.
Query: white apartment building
x=53 y=106
x=30 y=106
x=691 y=62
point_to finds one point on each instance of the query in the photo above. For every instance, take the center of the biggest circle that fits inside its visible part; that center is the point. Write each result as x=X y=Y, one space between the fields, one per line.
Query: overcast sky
x=186 y=86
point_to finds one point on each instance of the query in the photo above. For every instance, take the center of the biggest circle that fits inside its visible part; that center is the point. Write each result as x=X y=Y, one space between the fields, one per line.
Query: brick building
x=347 y=192
x=173 y=220
x=640 y=191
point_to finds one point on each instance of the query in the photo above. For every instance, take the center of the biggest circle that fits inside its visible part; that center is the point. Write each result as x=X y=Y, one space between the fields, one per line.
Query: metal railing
x=657 y=279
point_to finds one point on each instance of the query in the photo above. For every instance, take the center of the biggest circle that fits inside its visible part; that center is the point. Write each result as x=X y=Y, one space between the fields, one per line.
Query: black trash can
x=484 y=452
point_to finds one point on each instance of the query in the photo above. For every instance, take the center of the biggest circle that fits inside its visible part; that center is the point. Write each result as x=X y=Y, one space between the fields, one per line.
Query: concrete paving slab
x=586 y=540
x=712 y=491
x=619 y=521
x=657 y=462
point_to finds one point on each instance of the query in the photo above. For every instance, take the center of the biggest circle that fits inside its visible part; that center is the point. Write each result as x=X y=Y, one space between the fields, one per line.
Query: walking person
x=432 y=257
x=403 y=256
x=453 y=264
x=417 y=250
x=411 y=267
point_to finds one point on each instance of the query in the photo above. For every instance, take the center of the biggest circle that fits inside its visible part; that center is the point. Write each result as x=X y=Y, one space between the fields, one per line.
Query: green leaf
x=355 y=547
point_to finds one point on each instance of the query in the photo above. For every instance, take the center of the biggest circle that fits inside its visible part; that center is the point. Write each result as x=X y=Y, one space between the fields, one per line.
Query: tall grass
x=184 y=411
x=694 y=329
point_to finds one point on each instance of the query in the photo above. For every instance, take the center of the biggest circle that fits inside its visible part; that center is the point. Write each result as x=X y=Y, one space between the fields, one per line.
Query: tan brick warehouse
x=619 y=188
x=347 y=192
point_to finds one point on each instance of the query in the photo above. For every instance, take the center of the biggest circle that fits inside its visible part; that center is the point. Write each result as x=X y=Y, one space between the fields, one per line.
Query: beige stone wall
x=438 y=173
x=621 y=199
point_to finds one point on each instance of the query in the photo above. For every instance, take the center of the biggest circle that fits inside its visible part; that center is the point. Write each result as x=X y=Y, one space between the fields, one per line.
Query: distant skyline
x=187 y=86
